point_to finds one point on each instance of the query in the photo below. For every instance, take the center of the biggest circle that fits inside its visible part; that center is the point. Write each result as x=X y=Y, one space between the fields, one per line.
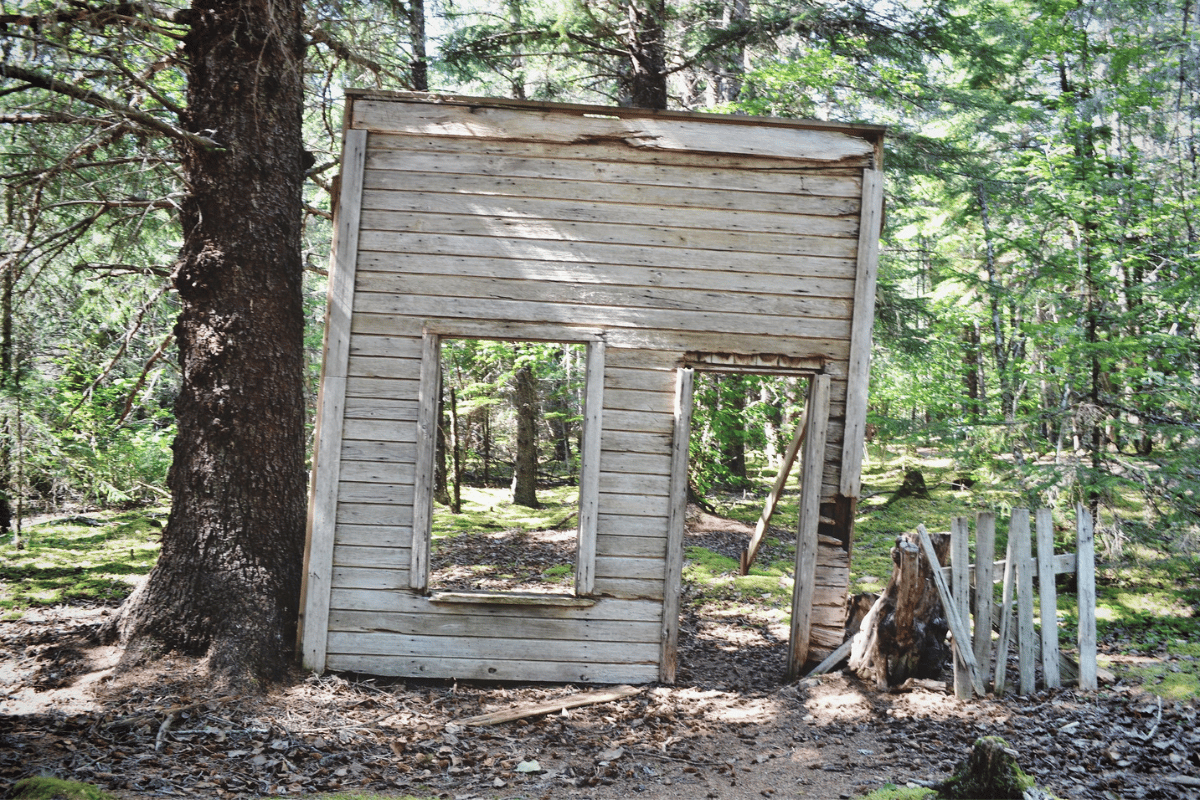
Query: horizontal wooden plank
x=379 y=536
x=639 y=526
x=382 y=408
x=390 y=346
x=711 y=135
x=633 y=505
x=529 y=649
x=634 y=463
x=621 y=420
x=493 y=670
x=629 y=588
x=835 y=217
x=471 y=186
x=374 y=492
x=604 y=162
x=634 y=442
x=626 y=566
x=625 y=358
x=676 y=341
x=631 y=546
x=379 y=452
x=660 y=381
x=378 y=472
x=391 y=228
x=357 y=513
x=649 y=485
x=403 y=272
x=355 y=578
x=379 y=430
x=378 y=252
x=408 y=602
x=382 y=388
x=379 y=299
x=383 y=366
x=393 y=558
x=461 y=622
x=822 y=637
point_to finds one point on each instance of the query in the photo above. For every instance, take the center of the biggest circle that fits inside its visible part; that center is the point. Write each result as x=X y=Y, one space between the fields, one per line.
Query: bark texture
x=525 y=401
x=904 y=634
x=228 y=580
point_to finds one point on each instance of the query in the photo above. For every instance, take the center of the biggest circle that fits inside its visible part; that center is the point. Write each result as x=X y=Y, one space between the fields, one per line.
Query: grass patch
x=97 y=558
x=491 y=509
x=892 y=792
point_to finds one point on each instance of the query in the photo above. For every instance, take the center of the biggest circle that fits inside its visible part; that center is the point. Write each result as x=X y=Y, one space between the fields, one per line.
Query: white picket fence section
x=973 y=652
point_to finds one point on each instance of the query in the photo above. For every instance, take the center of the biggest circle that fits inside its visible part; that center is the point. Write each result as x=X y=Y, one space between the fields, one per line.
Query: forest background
x=1037 y=311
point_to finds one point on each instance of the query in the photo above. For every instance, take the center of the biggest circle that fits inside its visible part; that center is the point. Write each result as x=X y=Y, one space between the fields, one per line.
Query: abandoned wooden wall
x=664 y=241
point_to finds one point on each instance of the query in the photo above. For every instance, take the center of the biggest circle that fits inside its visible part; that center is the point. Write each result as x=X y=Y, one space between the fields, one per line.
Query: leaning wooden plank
x=985 y=551
x=764 y=519
x=318 y=563
x=676 y=134
x=957 y=626
x=422 y=519
x=550 y=707
x=960 y=556
x=833 y=659
x=817 y=420
x=1085 y=575
x=1005 y=623
x=860 y=334
x=589 y=477
x=1048 y=599
x=677 y=511
x=1018 y=532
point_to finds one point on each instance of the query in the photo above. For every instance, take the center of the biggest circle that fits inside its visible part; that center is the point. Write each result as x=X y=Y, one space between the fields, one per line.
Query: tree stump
x=989 y=773
x=904 y=634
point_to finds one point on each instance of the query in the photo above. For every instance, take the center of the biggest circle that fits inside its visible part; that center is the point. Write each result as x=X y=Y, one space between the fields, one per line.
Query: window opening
x=507 y=466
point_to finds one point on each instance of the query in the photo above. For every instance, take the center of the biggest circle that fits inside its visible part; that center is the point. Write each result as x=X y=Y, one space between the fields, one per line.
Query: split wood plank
x=713 y=135
x=764 y=519
x=1019 y=532
x=960 y=557
x=589 y=470
x=1001 y=680
x=985 y=551
x=551 y=707
x=1085 y=574
x=812 y=466
x=331 y=402
x=676 y=521
x=430 y=390
x=1048 y=599
x=958 y=627
x=860 y=333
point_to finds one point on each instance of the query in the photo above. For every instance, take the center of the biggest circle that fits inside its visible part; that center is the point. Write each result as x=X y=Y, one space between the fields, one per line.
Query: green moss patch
x=45 y=788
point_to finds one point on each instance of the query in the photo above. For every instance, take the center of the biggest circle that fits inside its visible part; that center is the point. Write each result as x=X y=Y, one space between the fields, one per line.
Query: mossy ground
x=47 y=788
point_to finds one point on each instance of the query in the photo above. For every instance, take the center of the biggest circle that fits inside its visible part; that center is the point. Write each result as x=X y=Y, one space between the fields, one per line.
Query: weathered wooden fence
x=973 y=651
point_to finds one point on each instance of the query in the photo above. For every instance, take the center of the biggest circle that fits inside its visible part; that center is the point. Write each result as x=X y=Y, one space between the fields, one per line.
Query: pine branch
x=50 y=84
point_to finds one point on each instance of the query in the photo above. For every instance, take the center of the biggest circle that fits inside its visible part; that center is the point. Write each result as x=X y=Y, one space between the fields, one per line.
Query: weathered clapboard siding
x=666 y=242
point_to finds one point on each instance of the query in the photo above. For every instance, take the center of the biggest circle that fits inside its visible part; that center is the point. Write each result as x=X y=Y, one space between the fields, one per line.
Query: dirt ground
x=729 y=729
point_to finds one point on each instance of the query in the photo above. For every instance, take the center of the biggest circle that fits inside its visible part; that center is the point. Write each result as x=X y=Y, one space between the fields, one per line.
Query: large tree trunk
x=645 y=40
x=525 y=399
x=228 y=580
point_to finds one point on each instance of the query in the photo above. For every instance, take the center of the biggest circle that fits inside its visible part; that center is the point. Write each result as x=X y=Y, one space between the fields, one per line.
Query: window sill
x=512 y=599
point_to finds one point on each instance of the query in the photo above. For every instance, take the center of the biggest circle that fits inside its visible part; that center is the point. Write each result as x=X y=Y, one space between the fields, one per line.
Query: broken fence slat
x=551 y=706
x=957 y=627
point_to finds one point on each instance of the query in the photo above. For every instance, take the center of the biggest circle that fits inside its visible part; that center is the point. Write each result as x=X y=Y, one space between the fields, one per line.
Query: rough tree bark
x=525 y=399
x=904 y=634
x=227 y=582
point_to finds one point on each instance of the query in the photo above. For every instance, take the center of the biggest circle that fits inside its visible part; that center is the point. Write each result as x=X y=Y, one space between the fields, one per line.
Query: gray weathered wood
x=685 y=383
x=331 y=401
x=960 y=557
x=1085 y=574
x=860 y=335
x=589 y=470
x=764 y=519
x=1019 y=533
x=1006 y=618
x=1048 y=599
x=527 y=710
x=431 y=387
x=985 y=551
x=633 y=129
x=817 y=419
x=958 y=627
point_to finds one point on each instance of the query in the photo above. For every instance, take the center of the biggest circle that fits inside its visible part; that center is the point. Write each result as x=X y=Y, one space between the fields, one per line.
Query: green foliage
x=47 y=788
x=94 y=559
x=892 y=792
